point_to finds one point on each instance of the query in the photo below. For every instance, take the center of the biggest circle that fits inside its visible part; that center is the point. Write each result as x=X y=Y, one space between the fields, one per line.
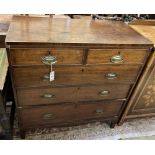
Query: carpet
x=95 y=131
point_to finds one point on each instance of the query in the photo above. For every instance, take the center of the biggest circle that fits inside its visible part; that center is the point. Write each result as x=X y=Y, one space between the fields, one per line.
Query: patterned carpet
x=95 y=131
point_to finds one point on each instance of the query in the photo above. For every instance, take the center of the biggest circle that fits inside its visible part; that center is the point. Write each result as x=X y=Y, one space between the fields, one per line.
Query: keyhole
x=49 y=52
x=82 y=70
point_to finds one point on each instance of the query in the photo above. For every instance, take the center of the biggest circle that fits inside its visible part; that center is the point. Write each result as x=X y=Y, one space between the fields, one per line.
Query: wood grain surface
x=69 y=114
x=34 y=56
x=74 y=75
x=63 y=31
x=147 y=31
x=71 y=94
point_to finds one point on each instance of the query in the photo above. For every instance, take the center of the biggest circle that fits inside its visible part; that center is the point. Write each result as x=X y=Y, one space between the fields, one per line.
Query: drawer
x=116 y=56
x=38 y=96
x=64 y=114
x=75 y=75
x=34 y=56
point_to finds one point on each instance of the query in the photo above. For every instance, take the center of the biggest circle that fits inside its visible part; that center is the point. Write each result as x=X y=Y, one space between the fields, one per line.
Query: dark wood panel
x=2 y=41
x=52 y=115
x=129 y=56
x=74 y=75
x=34 y=56
x=40 y=96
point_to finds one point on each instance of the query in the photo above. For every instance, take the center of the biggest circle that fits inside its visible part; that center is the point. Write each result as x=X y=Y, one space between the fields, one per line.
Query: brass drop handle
x=117 y=59
x=111 y=76
x=46 y=77
x=99 y=111
x=104 y=93
x=48 y=116
x=46 y=96
x=48 y=60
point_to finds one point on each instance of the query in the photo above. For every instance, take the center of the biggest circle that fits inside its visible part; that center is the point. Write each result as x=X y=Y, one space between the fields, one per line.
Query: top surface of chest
x=71 y=31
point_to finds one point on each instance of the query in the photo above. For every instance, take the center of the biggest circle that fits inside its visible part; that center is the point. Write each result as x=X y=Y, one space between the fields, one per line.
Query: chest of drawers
x=96 y=65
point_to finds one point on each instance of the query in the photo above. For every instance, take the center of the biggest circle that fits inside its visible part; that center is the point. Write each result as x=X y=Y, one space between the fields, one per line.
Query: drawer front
x=34 y=56
x=75 y=75
x=42 y=96
x=116 y=56
x=64 y=114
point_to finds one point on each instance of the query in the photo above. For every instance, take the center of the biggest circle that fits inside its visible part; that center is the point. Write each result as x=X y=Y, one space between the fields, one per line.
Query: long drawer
x=42 y=96
x=75 y=75
x=64 y=114
x=76 y=56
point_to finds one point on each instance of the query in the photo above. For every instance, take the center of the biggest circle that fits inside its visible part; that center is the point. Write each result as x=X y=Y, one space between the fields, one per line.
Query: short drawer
x=75 y=75
x=114 y=56
x=35 y=56
x=38 y=96
x=65 y=114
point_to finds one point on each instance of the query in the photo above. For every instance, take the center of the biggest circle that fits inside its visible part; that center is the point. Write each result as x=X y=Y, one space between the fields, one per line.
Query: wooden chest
x=96 y=65
x=142 y=102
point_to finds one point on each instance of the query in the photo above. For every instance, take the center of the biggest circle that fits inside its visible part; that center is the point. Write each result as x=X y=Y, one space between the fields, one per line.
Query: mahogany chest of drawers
x=96 y=65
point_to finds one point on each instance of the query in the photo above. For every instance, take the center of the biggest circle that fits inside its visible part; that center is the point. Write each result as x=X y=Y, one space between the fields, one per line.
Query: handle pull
x=116 y=59
x=46 y=96
x=48 y=116
x=111 y=76
x=46 y=78
x=99 y=111
x=104 y=93
x=48 y=60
